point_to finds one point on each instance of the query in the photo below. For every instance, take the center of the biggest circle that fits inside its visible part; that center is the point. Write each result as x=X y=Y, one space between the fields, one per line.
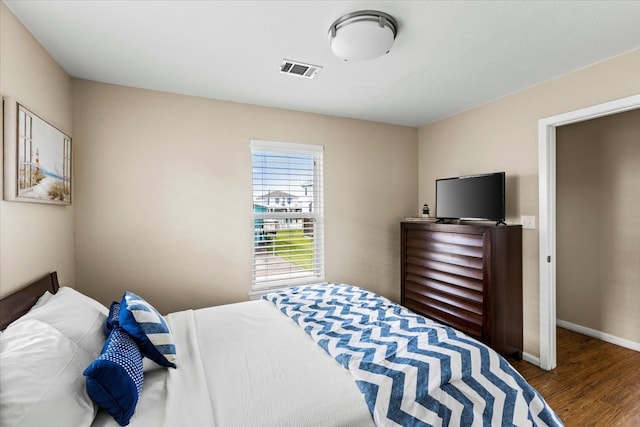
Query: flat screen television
x=472 y=197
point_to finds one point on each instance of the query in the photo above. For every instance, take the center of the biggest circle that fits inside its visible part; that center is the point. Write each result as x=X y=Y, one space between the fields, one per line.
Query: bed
x=323 y=355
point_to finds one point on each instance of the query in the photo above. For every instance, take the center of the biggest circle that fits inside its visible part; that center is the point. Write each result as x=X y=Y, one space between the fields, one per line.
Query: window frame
x=316 y=213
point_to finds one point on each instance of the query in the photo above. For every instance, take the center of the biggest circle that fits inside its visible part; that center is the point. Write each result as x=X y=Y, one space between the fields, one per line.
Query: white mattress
x=246 y=364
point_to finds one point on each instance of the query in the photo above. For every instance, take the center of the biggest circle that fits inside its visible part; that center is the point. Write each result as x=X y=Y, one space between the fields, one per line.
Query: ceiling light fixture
x=362 y=35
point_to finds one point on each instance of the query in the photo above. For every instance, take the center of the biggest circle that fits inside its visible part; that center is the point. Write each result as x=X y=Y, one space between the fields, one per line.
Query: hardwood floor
x=595 y=383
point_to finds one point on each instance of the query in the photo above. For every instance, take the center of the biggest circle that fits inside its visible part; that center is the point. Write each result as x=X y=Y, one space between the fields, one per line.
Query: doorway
x=547 y=214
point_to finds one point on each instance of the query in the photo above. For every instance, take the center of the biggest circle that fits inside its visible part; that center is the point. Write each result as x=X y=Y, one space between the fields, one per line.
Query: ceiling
x=448 y=57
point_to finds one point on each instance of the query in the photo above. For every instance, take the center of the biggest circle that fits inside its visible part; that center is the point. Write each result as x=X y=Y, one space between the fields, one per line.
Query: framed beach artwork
x=37 y=158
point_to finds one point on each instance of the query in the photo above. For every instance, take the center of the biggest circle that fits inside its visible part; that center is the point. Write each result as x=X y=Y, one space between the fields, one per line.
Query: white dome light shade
x=362 y=35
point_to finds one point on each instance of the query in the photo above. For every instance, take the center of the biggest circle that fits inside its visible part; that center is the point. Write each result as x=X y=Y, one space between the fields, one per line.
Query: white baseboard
x=531 y=358
x=622 y=342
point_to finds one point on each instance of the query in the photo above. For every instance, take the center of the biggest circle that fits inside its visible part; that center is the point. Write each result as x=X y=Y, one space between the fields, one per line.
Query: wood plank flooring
x=595 y=383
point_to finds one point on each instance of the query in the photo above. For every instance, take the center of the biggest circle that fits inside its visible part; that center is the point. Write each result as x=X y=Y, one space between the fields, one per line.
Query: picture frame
x=37 y=158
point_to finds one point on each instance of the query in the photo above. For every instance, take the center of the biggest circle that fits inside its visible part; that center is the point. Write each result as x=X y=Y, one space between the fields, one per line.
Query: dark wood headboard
x=19 y=302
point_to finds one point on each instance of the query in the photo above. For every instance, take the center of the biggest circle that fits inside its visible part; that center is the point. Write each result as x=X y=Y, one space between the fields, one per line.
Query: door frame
x=547 y=213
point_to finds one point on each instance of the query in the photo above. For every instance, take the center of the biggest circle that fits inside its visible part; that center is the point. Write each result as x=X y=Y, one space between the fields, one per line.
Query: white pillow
x=41 y=381
x=77 y=316
x=42 y=300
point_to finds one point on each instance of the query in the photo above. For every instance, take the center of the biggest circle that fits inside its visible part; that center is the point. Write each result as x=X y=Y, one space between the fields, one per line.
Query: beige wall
x=598 y=238
x=503 y=135
x=34 y=238
x=163 y=194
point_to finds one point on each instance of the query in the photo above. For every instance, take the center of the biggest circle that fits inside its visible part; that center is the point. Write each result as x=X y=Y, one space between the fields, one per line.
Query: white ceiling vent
x=299 y=68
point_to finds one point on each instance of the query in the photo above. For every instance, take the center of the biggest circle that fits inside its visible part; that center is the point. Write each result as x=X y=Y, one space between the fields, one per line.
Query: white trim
x=603 y=336
x=527 y=357
x=547 y=213
x=287 y=280
x=547 y=245
x=289 y=147
x=257 y=294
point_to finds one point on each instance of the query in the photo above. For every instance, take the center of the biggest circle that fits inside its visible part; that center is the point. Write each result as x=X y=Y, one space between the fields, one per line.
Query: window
x=29 y=174
x=288 y=238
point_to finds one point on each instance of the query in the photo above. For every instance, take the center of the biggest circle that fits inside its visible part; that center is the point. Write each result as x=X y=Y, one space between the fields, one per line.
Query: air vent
x=296 y=68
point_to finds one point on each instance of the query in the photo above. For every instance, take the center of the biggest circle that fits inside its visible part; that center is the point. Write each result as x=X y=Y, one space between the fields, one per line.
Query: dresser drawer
x=466 y=276
x=440 y=313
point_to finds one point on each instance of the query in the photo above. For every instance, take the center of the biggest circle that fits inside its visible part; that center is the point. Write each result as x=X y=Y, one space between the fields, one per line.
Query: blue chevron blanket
x=412 y=371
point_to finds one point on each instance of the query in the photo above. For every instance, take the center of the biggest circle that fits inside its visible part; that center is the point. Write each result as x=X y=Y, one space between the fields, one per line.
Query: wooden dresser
x=468 y=277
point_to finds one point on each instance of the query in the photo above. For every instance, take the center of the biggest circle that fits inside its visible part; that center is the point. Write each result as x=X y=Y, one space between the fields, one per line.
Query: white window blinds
x=287 y=215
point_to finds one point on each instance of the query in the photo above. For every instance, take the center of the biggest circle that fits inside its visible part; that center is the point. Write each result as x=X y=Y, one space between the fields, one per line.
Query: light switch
x=528 y=221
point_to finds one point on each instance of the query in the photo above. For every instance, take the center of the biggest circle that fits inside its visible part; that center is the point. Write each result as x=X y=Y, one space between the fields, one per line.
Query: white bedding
x=246 y=364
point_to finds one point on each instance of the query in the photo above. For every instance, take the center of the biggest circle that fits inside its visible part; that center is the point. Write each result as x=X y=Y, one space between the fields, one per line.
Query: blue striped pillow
x=148 y=328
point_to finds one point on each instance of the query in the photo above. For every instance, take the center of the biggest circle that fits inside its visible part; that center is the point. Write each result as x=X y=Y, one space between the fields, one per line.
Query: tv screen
x=479 y=197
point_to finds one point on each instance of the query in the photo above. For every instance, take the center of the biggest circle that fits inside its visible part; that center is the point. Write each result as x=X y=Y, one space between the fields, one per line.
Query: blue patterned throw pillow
x=114 y=380
x=148 y=328
x=112 y=318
